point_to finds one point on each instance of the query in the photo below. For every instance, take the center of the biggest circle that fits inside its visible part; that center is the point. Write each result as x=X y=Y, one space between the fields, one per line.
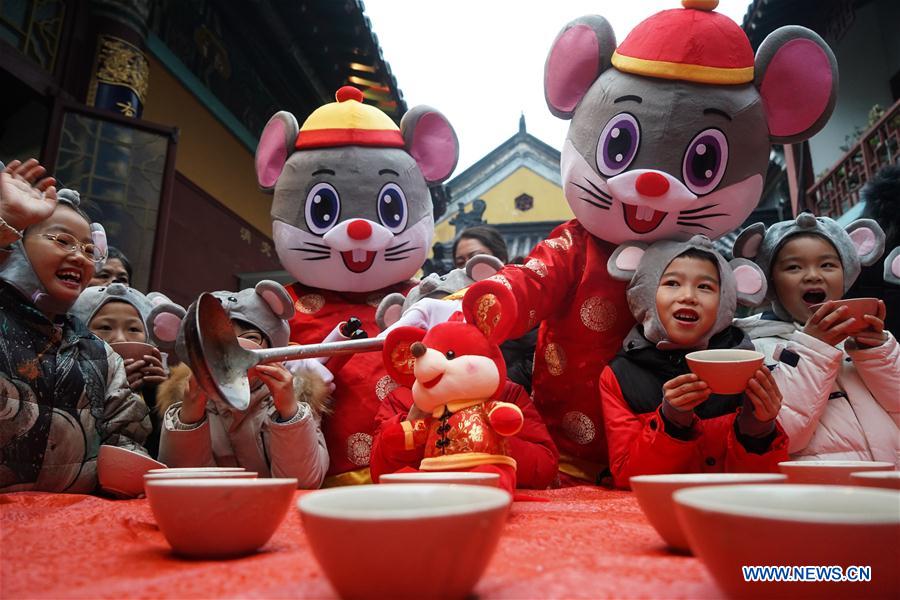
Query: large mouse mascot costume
x=670 y=138
x=352 y=221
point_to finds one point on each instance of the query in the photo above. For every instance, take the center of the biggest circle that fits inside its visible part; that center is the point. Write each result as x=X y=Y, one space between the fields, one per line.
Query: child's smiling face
x=687 y=299
x=62 y=272
x=807 y=270
x=118 y=322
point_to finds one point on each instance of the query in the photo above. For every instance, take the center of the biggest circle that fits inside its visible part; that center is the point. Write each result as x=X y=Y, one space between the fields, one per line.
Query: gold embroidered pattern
x=359 y=447
x=532 y=318
x=598 y=314
x=487 y=322
x=555 y=357
x=385 y=386
x=537 y=266
x=579 y=428
x=501 y=280
x=560 y=243
x=402 y=359
x=309 y=304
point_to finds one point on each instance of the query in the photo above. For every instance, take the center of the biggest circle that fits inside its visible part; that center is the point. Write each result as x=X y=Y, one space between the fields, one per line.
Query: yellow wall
x=207 y=153
x=549 y=203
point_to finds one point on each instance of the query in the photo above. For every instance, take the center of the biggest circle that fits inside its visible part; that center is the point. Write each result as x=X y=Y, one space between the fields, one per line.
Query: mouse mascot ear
x=491 y=307
x=580 y=53
x=275 y=146
x=431 y=141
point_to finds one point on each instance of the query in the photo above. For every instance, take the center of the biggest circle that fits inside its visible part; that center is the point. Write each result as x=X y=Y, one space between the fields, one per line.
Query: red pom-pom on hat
x=348 y=92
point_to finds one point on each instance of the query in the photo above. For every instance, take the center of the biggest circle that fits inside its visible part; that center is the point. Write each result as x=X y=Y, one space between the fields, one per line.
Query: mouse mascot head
x=671 y=129
x=352 y=209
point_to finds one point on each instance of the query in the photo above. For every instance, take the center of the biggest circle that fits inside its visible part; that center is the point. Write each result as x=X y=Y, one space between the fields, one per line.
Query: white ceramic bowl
x=654 y=495
x=215 y=518
x=175 y=474
x=828 y=472
x=879 y=479
x=461 y=477
x=121 y=471
x=395 y=541
x=730 y=527
x=725 y=371
x=197 y=470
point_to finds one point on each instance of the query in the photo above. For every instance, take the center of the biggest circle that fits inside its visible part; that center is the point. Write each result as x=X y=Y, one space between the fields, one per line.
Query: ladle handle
x=269 y=355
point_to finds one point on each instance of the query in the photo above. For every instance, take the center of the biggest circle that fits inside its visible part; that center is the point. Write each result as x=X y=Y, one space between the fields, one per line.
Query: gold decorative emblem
x=537 y=266
x=560 y=243
x=385 y=386
x=579 y=428
x=359 y=447
x=598 y=314
x=486 y=315
x=402 y=358
x=555 y=357
x=309 y=304
x=501 y=280
x=532 y=318
x=120 y=63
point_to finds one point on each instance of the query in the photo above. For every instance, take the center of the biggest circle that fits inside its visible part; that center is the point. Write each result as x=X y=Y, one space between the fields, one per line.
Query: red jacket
x=532 y=448
x=640 y=445
x=360 y=385
x=564 y=285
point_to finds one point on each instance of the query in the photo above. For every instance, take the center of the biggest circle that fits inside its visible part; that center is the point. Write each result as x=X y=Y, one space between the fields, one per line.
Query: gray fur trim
x=93 y=298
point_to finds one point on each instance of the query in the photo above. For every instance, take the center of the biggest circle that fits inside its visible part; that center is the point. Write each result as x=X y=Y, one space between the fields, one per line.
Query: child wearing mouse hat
x=841 y=400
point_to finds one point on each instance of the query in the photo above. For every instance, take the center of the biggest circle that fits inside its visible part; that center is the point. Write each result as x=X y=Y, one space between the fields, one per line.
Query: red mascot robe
x=360 y=385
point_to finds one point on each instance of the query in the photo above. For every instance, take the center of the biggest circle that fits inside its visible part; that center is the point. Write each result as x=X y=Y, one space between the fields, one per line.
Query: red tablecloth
x=584 y=542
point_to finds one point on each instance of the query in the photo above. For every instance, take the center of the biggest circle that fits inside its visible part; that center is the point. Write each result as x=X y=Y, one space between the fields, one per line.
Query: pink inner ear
x=274 y=301
x=434 y=147
x=629 y=258
x=165 y=327
x=895 y=266
x=864 y=240
x=796 y=87
x=271 y=153
x=748 y=280
x=482 y=271
x=572 y=67
x=392 y=314
x=751 y=247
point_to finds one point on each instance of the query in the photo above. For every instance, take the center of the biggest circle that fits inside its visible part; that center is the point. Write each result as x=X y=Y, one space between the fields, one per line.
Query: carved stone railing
x=838 y=190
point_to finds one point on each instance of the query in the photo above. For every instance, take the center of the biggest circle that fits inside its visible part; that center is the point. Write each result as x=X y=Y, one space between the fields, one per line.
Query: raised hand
x=764 y=395
x=280 y=382
x=685 y=392
x=830 y=324
x=26 y=196
x=874 y=335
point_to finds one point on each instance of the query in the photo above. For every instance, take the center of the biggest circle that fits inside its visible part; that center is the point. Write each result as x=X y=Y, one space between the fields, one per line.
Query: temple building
x=152 y=111
x=514 y=188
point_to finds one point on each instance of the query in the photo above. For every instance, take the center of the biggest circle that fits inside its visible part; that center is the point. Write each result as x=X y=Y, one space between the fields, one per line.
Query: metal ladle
x=220 y=364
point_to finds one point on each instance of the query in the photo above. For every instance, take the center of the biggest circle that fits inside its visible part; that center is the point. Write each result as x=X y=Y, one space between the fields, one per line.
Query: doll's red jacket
x=360 y=385
x=565 y=286
x=532 y=448
x=639 y=443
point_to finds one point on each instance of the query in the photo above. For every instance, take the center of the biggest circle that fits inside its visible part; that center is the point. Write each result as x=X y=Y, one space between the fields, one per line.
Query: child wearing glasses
x=63 y=391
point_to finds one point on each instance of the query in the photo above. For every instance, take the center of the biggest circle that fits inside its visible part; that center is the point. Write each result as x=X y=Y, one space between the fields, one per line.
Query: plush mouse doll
x=456 y=372
x=352 y=220
x=670 y=137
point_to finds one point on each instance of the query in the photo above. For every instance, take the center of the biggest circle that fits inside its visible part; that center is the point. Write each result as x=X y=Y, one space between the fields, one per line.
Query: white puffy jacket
x=840 y=403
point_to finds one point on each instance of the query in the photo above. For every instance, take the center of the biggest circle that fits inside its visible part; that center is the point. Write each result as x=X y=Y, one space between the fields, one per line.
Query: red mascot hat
x=690 y=44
